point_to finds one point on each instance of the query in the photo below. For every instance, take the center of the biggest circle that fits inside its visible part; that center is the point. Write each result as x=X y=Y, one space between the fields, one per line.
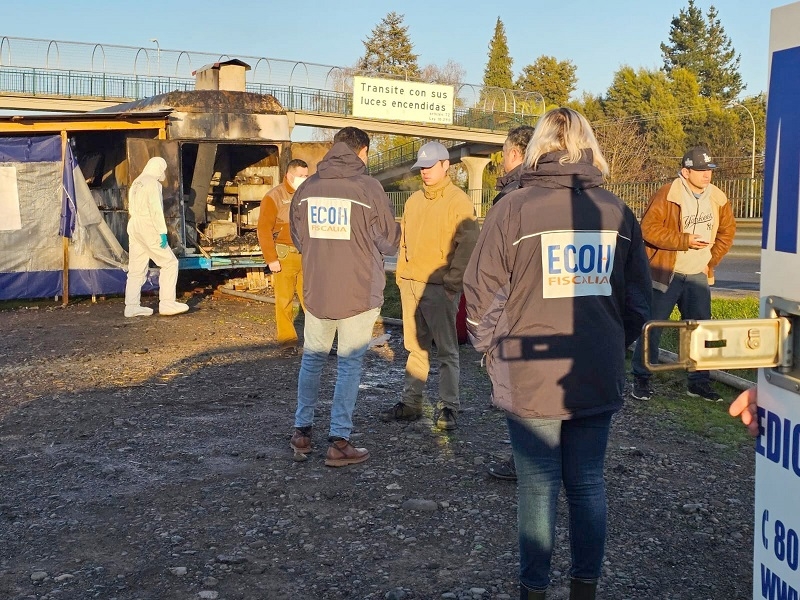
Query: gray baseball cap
x=429 y=154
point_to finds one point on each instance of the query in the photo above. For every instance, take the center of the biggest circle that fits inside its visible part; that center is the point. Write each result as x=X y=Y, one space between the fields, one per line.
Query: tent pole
x=64 y=240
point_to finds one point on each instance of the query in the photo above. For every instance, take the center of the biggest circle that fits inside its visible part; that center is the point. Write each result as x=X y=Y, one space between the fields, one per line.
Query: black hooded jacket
x=557 y=288
x=343 y=224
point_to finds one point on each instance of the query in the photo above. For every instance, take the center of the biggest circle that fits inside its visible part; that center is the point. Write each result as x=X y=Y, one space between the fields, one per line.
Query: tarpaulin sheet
x=55 y=202
x=31 y=149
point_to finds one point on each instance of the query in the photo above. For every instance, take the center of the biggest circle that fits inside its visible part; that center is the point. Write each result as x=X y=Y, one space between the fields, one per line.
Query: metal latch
x=724 y=344
x=767 y=343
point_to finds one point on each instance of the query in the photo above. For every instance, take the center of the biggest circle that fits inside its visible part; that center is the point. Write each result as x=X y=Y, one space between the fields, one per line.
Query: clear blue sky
x=598 y=37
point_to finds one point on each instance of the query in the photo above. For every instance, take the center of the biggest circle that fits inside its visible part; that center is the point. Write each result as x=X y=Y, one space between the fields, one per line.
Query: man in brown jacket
x=280 y=254
x=438 y=233
x=688 y=227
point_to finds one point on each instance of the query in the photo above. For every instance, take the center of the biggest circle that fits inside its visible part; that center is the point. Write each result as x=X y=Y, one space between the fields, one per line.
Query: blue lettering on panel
x=783 y=127
x=779 y=441
x=570 y=267
x=552 y=259
x=774 y=588
x=314 y=214
x=586 y=259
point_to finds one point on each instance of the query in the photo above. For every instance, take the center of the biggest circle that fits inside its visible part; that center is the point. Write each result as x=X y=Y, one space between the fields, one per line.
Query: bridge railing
x=73 y=84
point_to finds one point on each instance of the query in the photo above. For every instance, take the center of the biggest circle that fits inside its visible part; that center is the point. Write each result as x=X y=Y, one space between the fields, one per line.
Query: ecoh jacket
x=343 y=224
x=663 y=234
x=439 y=231
x=557 y=288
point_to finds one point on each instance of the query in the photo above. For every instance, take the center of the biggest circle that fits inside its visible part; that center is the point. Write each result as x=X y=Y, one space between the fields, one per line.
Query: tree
x=647 y=98
x=590 y=106
x=701 y=46
x=389 y=51
x=497 y=73
x=554 y=79
x=626 y=150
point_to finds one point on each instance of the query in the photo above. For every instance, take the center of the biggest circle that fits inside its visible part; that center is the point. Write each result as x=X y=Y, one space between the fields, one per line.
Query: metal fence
x=481 y=199
x=745 y=196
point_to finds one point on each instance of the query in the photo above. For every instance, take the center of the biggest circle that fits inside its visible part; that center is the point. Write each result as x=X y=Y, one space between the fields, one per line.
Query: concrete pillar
x=475 y=166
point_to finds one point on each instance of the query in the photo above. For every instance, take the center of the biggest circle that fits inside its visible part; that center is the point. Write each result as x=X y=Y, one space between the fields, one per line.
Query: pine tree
x=389 y=51
x=701 y=46
x=498 y=69
x=555 y=80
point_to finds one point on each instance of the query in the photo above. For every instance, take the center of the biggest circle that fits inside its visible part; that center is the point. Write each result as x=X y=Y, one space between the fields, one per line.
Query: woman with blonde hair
x=557 y=288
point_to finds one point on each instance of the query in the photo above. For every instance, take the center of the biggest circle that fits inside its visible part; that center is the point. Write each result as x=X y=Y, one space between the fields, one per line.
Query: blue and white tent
x=50 y=224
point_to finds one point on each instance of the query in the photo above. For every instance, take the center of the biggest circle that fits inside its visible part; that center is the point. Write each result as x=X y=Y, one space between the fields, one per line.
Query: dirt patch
x=149 y=459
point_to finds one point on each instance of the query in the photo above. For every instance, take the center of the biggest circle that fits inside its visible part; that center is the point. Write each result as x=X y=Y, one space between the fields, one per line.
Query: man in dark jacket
x=513 y=157
x=343 y=224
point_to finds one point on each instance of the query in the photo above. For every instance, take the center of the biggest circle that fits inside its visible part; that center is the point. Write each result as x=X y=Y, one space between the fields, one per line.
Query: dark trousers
x=693 y=297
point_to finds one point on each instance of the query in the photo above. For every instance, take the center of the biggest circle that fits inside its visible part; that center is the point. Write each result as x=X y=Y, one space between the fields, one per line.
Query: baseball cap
x=429 y=154
x=698 y=159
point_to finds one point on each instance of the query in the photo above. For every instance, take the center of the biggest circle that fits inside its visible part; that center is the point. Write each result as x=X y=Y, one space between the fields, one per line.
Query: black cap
x=698 y=159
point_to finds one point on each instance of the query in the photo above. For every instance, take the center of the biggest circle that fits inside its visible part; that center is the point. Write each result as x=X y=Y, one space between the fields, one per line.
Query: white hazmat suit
x=147 y=236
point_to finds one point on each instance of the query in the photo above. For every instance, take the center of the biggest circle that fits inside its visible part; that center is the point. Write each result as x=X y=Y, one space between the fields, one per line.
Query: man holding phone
x=688 y=226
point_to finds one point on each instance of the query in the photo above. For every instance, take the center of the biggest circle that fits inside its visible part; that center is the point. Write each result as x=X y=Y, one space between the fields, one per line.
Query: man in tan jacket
x=688 y=227
x=280 y=254
x=438 y=233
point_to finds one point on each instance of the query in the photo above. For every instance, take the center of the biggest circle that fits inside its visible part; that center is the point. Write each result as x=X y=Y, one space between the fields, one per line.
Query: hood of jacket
x=156 y=167
x=340 y=162
x=550 y=172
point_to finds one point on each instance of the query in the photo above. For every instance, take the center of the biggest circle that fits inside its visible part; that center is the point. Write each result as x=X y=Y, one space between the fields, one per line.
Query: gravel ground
x=149 y=459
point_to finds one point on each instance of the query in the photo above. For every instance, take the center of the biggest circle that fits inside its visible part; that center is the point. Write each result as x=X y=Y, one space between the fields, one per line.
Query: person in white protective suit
x=147 y=235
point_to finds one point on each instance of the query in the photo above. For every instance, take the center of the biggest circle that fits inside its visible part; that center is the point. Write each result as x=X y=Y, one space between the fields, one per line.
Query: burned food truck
x=224 y=148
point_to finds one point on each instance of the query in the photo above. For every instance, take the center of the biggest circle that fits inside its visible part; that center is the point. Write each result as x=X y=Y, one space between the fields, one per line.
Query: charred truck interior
x=225 y=148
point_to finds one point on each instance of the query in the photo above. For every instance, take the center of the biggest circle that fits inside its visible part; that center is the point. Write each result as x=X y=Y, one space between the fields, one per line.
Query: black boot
x=526 y=594
x=580 y=589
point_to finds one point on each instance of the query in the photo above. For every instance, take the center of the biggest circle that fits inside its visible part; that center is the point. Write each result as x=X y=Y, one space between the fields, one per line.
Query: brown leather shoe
x=301 y=440
x=342 y=453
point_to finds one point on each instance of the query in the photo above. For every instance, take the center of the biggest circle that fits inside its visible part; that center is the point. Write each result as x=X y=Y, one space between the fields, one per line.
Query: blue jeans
x=355 y=334
x=547 y=453
x=692 y=295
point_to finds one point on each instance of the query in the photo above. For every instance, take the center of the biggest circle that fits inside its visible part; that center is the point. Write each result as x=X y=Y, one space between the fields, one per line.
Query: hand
x=746 y=407
x=275 y=266
x=696 y=242
x=163 y=243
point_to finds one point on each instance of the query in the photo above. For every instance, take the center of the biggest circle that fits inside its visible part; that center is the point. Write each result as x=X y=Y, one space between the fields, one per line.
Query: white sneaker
x=137 y=311
x=172 y=308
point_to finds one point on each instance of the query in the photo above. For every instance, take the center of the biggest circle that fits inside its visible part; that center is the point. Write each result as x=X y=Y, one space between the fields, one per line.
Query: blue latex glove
x=163 y=240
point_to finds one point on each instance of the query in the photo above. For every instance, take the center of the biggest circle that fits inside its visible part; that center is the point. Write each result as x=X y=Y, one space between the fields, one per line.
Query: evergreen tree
x=498 y=69
x=553 y=79
x=701 y=46
x=648 y=99
x=389 y=51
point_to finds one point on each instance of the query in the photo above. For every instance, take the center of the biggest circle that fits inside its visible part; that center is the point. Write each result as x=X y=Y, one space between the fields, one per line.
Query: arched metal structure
x=47 y=55
x=136 y=60
x=255 y=68
x=96 y=46
x=178 y=62
x=291 y=75
x=5 y=41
